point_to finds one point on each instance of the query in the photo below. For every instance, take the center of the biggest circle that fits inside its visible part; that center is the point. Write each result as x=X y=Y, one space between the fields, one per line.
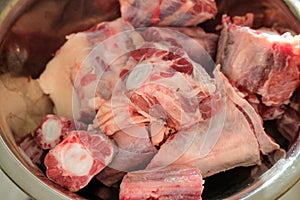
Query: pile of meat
x=140 y=104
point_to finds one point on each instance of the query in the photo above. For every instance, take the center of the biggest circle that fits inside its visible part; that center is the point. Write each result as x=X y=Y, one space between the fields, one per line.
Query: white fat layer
x=52 y=130
x=76 y=160
x=138 y=76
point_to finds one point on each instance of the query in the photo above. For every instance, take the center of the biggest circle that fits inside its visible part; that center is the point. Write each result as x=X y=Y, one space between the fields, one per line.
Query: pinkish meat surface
x=53 y=129
x=260 y=64
x=161 y=89
x=167 y=12
x=159 y=95
x=266 y=143
x=228 y=152
x=78 y=158
x=71 y=77
x=173 y=182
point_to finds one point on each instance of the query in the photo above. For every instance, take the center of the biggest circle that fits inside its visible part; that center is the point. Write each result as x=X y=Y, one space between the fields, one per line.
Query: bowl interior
x=36 y=29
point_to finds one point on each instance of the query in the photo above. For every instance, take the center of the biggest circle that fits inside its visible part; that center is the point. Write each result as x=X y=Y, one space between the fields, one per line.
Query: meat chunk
x=77 y=69
x=167 y=12
x=228 y=152
x=53 y=129
x=79 y=157
x=173 y=182
x=266 y=143
x=264 y=66
x=161 y=89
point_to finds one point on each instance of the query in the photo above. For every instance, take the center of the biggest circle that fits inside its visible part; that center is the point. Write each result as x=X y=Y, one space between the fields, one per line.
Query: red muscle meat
x=173 y=182
x=167 y=12
x=53 y=129
x=264 y=66
x=79 y=157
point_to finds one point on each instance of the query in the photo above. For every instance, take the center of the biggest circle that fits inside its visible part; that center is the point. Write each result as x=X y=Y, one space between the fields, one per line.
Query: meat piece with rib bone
x=173 y=182
x=78 y=158
x=264 y=66
x=167 y=12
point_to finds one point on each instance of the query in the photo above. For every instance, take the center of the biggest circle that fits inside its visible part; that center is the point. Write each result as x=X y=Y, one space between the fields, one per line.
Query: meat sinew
x=173 y=182
x=167 y=13
x=264 y=66
x=53 y=129
x=78 y=158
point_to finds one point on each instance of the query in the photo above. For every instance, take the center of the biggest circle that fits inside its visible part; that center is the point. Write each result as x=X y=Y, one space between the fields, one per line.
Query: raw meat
x=53 y=130
x=167 y=12
x=161 y=92
x=79 y=157
x=289 y=124
x=86 y=74
x=266 y=143
x=262 y=65
x=173 y=182
x=149 y=92
x=77 y=69
x=240 y=146
x=161 y=89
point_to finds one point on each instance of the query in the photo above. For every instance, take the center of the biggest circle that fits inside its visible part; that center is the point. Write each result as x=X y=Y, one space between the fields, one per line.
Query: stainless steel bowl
x=269 y=185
